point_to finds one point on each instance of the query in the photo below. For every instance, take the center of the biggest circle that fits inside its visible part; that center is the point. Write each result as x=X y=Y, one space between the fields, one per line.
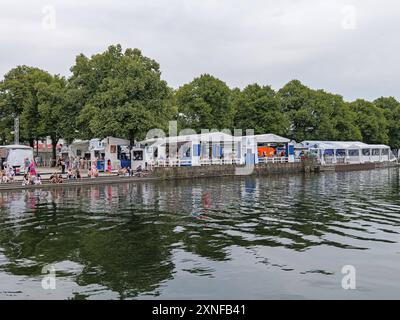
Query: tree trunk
x=54 y=150
x=132 y=138
x=37 y=147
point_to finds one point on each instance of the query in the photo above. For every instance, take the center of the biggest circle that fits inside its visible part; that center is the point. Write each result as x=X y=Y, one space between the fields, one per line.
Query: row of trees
x=121 y=93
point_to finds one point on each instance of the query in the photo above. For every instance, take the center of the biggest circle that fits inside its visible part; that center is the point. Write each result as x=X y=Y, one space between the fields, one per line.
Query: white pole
x=16 y=130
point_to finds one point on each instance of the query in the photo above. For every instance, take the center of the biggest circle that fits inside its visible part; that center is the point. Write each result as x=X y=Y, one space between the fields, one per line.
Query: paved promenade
x=45 y=173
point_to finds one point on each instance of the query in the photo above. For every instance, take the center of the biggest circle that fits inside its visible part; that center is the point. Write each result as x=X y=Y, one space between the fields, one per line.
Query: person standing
x=62 y=163
x=37 y=160
x=32 y=169
x=26 y=165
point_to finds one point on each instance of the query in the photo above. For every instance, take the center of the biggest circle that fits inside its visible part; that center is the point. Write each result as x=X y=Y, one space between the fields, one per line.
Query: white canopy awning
x=211 y=136
x=269 y=138
x=337 y=145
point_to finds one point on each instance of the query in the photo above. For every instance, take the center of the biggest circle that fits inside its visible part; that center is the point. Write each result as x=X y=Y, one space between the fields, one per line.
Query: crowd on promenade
x=30 y=174
x=7 y=174
x=70 y=170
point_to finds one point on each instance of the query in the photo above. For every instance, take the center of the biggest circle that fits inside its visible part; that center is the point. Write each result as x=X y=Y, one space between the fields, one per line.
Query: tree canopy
x=205 y=103
x=260 y=109
x=19 y=94
x=371 y=121
x=121 y=93
x=391 y=110
x=317 y=115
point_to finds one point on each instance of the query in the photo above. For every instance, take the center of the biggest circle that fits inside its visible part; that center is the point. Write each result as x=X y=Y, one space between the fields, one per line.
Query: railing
x=171 y=163
x=208 y=162
x=188 y=162
x=273 y=160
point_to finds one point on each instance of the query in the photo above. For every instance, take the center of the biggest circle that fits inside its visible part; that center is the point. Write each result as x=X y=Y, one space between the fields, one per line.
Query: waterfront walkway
x=46 y=172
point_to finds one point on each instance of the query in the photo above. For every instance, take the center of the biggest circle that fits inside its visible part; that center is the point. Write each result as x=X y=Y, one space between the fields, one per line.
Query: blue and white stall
x=213 y=148
x=113 y=151
x=349 y=152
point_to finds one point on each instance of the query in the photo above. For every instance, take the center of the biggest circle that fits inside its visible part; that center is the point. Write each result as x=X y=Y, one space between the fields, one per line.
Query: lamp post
x=16 y=130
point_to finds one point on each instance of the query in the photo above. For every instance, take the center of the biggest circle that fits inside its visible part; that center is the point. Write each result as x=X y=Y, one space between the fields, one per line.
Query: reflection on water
x=275 y=237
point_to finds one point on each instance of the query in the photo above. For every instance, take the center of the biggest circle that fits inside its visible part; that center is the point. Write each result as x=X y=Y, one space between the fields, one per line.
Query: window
x=354 y=153
x=123 y=153
x=340 y=153
x=366 y=152
x=328 y=152
x=375 y=152
x=385 y=152
x=124 y=156
x=137 y=155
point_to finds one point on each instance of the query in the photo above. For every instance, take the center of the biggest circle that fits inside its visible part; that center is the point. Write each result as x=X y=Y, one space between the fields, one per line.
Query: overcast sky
x=348 y=47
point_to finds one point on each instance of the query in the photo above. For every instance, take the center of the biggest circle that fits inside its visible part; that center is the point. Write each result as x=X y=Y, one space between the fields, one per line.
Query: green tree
x=6 y=123
x=259 y=108
x=317 y=115
x=391 y=110
x=205 y=103
x=19 y=93
x=57 y=118
x=371 y=121
x=120 y=94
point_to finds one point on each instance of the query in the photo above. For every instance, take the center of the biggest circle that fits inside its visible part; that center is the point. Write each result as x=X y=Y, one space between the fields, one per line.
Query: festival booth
x=110 y=153
x=97 y=153
x=273 y=148
x=299 y=150
x=79 y=149
x=212 y=148
x=138 y=156
x=116 y=153
x=349 y=152
x=188 y=150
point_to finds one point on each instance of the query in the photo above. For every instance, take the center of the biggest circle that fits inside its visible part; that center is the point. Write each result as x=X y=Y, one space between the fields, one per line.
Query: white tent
x=354 y=151
x=270 y=138
x=205 y=137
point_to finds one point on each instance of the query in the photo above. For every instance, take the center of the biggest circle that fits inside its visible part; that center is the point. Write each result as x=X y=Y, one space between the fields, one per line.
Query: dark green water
x=249 y=238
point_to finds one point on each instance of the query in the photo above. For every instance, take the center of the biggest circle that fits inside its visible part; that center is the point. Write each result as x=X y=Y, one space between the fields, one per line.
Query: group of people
x=29 y=179
x=70 y=170
x=56 y=177
x=128 y=172
x=75 y=163
x=31 y=176
x=7 y=174
x=93 y=172
x=74 y=174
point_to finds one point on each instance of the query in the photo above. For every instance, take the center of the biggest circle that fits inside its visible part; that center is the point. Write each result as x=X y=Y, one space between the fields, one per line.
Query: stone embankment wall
x=231 y=170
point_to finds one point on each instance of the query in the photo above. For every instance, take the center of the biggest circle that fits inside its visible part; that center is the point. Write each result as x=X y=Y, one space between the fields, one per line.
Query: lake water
x=222 y=238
